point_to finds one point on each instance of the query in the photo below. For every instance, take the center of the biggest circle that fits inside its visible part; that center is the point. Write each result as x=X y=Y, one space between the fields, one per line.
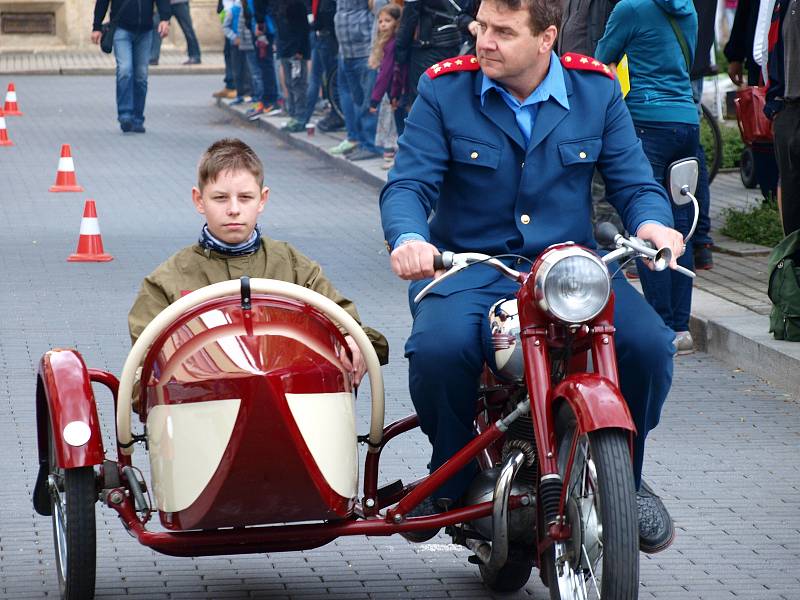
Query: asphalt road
x=724 y=456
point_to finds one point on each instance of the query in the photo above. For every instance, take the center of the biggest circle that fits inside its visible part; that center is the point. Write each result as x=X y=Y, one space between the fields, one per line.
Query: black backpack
x=784 y=289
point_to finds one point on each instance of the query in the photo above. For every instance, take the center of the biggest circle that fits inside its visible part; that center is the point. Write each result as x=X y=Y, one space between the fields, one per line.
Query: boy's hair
x=228 y=154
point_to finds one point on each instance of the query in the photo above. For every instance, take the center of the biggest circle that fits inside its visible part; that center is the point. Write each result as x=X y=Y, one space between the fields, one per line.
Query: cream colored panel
x=187 y=442
x=328 y=425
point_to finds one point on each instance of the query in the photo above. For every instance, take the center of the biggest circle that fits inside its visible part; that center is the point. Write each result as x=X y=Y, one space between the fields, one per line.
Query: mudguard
x=64 y=395
x=596 y=402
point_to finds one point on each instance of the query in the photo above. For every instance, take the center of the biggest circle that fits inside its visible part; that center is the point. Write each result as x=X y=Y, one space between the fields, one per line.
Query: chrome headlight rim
x=549 y=260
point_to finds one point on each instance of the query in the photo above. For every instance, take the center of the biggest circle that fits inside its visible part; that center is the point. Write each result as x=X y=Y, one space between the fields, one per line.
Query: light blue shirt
x=552 y=86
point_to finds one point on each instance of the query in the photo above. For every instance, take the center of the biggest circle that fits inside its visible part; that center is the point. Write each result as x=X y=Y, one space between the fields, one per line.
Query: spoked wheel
x=514 y=574
x=332 y=92
x=601 y=511
x=711 y=139
x=73 y=494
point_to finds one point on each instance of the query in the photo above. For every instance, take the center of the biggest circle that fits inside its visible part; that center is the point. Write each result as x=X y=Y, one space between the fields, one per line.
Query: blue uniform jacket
x=464 y=179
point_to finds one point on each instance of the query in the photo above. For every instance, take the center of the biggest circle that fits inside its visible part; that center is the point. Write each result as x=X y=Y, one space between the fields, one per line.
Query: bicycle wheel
x=711 y=140
x=332 y=92
x=601 y=557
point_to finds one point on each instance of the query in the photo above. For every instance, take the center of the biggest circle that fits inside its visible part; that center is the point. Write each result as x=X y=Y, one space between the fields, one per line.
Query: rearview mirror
x=682 y=177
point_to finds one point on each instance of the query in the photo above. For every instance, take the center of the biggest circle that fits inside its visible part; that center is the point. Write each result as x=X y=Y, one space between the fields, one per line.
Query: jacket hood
x=676 y=8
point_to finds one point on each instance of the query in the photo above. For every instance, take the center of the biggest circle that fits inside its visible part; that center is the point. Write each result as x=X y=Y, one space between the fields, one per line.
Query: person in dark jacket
x=294 y=51
x=132 y=43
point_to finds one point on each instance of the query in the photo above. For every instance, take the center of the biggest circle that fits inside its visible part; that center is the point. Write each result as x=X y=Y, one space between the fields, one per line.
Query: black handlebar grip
x=604 y=233
x=442 y=262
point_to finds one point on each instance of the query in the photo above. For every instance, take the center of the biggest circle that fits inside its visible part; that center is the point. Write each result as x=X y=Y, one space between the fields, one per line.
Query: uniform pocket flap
x=474 y=152
x=580 y=151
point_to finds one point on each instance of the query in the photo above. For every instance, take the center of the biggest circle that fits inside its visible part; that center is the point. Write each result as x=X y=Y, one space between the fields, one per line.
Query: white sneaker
x=684 y=344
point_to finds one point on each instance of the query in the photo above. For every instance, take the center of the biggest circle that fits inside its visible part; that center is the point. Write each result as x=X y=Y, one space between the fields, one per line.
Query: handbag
x=753 y=123
x=107 y=31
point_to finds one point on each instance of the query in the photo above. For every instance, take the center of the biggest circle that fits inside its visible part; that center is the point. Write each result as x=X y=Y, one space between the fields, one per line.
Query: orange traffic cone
x=65 y=177
x=90 y=242
x=10 y=108
x=4 y=141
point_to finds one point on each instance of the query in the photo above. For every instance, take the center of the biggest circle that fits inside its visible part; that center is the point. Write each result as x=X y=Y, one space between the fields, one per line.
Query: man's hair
x=229 y=154
x=543 y=13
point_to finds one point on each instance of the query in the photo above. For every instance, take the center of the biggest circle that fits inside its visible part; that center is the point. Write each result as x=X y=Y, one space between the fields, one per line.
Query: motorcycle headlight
x=572 y=284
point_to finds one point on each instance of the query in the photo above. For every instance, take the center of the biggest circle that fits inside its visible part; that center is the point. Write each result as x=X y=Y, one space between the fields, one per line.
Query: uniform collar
x=552 y=86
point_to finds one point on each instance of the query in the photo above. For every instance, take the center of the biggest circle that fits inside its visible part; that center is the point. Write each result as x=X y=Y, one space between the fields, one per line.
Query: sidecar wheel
x=73 y=494
x=511 y=576
x=601 y=510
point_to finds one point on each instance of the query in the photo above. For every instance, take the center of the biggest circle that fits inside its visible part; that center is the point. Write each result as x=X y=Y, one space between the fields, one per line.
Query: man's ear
x=264 y=198
x=197 y=200
x=549 y=37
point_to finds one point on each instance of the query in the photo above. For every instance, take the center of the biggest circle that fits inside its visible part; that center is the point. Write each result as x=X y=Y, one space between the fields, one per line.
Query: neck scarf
x=250 y=245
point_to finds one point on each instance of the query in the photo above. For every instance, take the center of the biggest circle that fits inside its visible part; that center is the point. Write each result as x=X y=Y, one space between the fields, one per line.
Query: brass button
x=582 y=154
x=525 y=219
x=474 y=155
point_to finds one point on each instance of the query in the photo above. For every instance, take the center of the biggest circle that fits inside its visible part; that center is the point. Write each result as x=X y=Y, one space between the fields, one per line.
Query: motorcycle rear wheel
x=602 y=512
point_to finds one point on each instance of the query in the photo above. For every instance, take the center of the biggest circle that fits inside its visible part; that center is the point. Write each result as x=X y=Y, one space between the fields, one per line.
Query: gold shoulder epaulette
x=573 y=60
x=467 y=62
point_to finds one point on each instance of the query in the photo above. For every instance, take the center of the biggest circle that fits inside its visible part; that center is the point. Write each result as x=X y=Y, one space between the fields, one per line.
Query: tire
x=604 y=518
x=711 y=138
x=332 y=93
x=747 y=169
x=72 y=501
x=513 y=575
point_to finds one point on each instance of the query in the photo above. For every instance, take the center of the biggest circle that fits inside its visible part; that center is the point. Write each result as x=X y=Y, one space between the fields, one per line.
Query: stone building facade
x=50 y=25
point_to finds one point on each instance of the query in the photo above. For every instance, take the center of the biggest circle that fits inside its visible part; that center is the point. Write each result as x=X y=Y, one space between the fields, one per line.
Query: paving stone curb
x=725 y=330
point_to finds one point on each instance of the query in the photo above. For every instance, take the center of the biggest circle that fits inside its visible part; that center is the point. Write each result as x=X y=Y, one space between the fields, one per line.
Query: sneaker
x=631 y=270
x=224 y=93
x=126 y=126
x=236 y=101
x=329 y=123
x=362 y=154
x=388 y=155
x=424 y=509
x=138 y=128
x=343 y=147
x=255 y=112
x=684 y=344
x=274 y=111
x=192 y=61
x=656 y=529
x=703 y=257
x=293 y=127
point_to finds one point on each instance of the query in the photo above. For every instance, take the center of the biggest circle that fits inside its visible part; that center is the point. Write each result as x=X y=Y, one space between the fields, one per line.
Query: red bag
x=753 y=123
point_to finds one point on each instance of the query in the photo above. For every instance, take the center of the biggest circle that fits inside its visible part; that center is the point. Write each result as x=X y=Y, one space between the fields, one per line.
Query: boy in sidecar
x=231 y=194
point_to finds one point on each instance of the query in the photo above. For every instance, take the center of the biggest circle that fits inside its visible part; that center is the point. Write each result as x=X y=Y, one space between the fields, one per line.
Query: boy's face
x=231 y=205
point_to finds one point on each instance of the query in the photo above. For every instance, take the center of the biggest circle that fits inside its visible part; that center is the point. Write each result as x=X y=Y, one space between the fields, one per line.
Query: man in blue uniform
x=501 y=148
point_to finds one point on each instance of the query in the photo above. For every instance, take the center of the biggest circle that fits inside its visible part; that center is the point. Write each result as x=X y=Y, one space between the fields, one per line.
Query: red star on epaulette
x=467 y=62
x=573 y=60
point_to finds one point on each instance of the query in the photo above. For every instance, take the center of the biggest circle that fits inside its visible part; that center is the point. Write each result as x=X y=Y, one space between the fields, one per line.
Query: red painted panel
x=596 y=402
x=68 y=390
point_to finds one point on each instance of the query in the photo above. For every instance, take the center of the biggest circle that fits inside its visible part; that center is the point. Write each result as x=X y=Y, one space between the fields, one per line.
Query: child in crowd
x=294 y=51
x=389 y=90
x=230 y=194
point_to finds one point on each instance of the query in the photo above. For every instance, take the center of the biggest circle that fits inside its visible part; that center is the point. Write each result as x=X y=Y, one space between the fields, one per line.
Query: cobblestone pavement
x=725 y=454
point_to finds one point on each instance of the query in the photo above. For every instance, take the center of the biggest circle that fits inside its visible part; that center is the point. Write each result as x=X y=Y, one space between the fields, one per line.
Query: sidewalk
x=96 y=62
x=730 y=307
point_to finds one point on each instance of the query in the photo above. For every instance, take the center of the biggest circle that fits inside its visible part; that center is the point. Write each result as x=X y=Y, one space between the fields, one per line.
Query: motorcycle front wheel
x=602 y=514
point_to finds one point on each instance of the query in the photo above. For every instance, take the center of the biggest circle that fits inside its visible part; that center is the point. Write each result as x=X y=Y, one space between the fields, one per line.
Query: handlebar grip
x=442 y=262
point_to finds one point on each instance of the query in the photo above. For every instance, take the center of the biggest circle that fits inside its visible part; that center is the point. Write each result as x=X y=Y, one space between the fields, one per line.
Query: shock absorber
x=550 y=496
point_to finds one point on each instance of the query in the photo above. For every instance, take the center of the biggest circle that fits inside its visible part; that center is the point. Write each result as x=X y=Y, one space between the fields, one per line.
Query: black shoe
x=126 y=126
x=362 y=154
x=703 y=257
x=192 y=61
x=424 y=509
x=332 y=122
x=656 y=529
x=138 y=129
x=153 y=62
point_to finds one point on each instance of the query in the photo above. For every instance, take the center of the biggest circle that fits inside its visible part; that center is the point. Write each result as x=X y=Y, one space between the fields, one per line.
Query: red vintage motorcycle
x=248 y=422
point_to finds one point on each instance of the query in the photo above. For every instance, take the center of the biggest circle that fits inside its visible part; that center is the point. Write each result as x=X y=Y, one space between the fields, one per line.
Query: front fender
x=596 y=402
x=64 y=396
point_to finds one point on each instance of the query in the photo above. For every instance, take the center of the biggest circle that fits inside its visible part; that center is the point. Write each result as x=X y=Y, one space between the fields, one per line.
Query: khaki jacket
x=194 y=267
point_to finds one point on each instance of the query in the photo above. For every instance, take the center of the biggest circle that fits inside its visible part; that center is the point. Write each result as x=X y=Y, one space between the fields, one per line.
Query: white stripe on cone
x=11 y=97
x=90 y=226
x=65 y=164
x=2 y=122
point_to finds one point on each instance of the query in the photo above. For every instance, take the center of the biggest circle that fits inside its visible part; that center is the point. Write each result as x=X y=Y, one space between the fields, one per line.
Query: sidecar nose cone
x=76 y=433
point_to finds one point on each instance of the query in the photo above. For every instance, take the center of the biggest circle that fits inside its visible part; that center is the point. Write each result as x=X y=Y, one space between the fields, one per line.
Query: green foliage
x=761 y=225
x=732 y=146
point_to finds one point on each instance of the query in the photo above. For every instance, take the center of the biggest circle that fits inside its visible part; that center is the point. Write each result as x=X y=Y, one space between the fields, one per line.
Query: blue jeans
x=323 y=60
x=669 y=292
x=355 y=82
x=703 y=194
x=262 y=75
x=132 y=53
x=183 y=15
x=230 y=78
